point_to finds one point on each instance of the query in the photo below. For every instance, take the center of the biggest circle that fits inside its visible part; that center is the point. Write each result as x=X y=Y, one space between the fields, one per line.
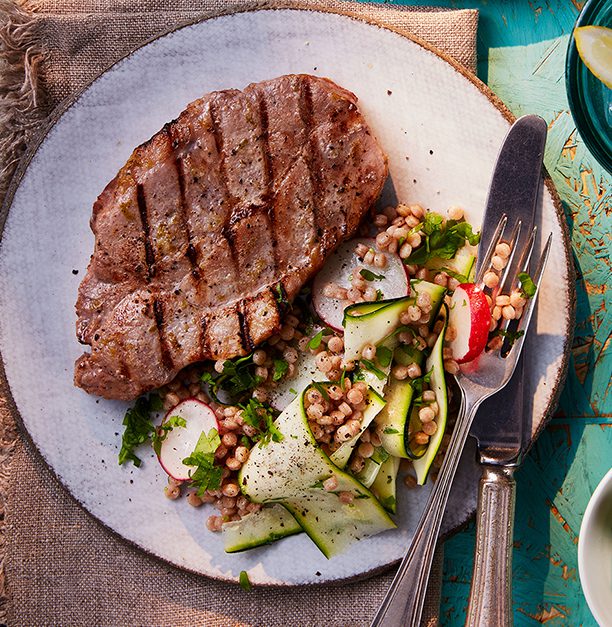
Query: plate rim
x=54 y=116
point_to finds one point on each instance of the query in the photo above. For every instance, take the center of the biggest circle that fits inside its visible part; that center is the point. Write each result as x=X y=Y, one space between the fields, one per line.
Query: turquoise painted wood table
x=521 y=55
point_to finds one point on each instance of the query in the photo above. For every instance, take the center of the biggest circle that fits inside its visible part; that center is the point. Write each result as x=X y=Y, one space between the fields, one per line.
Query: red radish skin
x=338 y=269
x=470 y=316
x=181 y=441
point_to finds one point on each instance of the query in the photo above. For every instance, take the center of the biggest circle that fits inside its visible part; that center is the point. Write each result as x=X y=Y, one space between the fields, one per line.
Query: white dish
x=595 y=552
x=442 y=132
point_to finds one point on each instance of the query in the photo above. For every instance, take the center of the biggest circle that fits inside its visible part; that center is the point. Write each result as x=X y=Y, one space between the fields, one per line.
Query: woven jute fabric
x=61 y=567
x=89 y=35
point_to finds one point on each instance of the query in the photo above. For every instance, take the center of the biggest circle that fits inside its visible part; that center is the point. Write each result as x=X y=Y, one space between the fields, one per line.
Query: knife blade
x=498 y=425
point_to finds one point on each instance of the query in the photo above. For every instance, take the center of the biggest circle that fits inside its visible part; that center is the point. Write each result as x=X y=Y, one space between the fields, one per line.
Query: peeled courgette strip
x=397 y=419
x=292 y=471
x=384 y=485
x=393 y=419
x=371 y=323
x=435 y=364
x=270 y=523
x=372 y=467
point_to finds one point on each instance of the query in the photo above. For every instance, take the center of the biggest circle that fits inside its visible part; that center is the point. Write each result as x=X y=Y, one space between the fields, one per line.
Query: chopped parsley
x=462 y=278
x=238 y=377
x=321 y=389
x=511 y=336
x=358 y=375
x=369 y=365
x=528 y=287
x=245 y=584
x=206 y=476
x=260 y=416
x=280 y=369
x=316 y=340
x=138 y=427
x=161 y=433
x=342 y=378
x=418 y=384
x=390 y=431
x=368 y=275
x=384 y=355
x=442 y=239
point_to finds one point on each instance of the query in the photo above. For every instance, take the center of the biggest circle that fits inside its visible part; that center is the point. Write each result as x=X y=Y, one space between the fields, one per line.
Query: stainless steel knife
x=500 y=423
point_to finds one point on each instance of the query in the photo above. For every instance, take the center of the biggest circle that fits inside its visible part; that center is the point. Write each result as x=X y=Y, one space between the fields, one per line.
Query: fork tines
x=519 y=261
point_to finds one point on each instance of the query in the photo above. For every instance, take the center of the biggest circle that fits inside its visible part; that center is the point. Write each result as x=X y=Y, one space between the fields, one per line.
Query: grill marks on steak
x=233 y=204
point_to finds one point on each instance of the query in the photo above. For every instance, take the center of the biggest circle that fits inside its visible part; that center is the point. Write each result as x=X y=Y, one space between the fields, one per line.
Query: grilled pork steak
x=217 y=221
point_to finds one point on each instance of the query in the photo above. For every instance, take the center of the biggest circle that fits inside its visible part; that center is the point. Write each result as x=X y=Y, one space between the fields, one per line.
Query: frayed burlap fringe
x=20 y=115
x=20 y=107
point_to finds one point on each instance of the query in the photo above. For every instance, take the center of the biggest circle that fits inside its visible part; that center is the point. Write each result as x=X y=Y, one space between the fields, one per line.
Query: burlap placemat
x=60 y=566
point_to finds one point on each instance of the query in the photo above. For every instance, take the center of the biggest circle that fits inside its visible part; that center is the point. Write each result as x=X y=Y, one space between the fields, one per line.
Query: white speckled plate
x=441 y=131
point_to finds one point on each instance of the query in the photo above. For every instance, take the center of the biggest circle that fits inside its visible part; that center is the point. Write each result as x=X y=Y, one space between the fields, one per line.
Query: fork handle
x=403 y=604
x=491 y=590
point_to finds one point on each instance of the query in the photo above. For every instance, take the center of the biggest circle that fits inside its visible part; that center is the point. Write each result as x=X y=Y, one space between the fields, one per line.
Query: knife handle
x=491 y=590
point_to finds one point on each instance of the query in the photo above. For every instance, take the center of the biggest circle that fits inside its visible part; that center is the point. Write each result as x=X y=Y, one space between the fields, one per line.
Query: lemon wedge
x=594 y=45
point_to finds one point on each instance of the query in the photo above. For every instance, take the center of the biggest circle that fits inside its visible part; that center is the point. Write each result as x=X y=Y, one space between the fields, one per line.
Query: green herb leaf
x=384 y=355
x=442 y=239
x=369 y=365
x=160 y=434
x=316 y=340
x=174 y=421
x=528 y=287
x=261 y=417
x=245 y=584
x=138 y=427
x=464 y=230
x=280 y=369
x=432 y=222
x=342 y=378
x=459 y=277
x=358 y=375
x=371 y=276
x=206 y=476
x=379 y=295
x=511 y=336
x=321 y=389
x=390 y=431
x=420 y=383
x=292 y=391
x=237 y=378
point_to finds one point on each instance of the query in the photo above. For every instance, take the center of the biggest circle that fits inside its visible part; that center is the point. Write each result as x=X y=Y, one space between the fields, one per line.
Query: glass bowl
x=589 y=99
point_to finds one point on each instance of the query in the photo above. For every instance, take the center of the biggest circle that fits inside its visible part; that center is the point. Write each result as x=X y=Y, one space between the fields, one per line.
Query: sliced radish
x=338 y=269
x=180 y=442
x=470 y=316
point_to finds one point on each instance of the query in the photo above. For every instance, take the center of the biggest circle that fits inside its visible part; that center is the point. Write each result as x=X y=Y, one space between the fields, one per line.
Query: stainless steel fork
x=403 y=604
